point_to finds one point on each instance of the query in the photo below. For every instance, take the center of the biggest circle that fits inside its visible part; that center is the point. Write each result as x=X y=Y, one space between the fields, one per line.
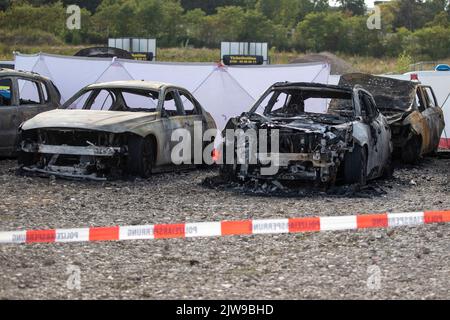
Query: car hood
x=308 y=123
x=108 y=121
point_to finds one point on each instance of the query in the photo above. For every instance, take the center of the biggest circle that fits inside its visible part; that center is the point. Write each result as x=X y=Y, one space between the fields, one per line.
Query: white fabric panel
x=183 y=75
x=223 y=97
x=115 y=71
x=42 y=69
x=25 y=62
x=334 y=80
x=70 y=74
x=256 y=80
x=225 y=92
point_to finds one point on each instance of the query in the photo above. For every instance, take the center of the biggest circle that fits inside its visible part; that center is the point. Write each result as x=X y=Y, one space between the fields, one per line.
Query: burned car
x=323 y=133
x=416 y=120
x=111 y=130
x=22 y=96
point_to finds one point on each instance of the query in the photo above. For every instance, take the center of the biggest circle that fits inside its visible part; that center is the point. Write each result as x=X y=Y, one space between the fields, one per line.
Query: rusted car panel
x=22 y=96
x=416 y=119
x=316 y=147
x=110 y=130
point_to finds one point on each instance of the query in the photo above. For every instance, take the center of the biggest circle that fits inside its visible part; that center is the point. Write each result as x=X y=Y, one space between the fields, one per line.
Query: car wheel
x=435 y=151
x=25 y=159
x=141 y=156
x=355 y=166
x=411 y=152
x=389 y=169
x=205 y=145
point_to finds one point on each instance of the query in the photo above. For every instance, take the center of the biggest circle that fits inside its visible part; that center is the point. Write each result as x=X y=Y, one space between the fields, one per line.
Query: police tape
x=227 y=228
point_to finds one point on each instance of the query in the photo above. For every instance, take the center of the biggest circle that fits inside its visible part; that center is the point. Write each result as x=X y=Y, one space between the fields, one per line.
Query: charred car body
x=350 y=141
x=22 y=96
x=416 y=120
x=111 y=130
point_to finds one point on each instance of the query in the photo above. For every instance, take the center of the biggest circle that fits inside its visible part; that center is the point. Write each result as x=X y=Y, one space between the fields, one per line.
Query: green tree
x=356 y=7
x=433 y=42
x=321 y=31
x=5 y=4
x=409 y=14
x=306 y=7
x=25 y=16
x=117 y=18
x=210 y=6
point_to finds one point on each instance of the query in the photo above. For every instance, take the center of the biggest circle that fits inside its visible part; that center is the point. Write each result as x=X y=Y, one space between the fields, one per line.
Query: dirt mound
x=338 y=65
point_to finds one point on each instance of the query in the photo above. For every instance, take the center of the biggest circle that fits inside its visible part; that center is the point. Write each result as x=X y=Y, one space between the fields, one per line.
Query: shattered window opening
x=103 y=100
x=29 y=92
x=172 y=104
x=295 y=102
x=189 y=106
x=5 y=92
x=125 y=100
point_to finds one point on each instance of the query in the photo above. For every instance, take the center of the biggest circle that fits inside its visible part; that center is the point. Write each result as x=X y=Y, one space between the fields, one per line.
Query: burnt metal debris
x=416 y=119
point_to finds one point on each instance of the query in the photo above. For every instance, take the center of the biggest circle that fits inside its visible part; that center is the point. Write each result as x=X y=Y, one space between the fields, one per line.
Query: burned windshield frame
x=296 y=98
x=117 y=93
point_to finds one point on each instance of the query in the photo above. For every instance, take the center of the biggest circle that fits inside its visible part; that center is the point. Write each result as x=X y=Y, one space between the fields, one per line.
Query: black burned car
x=23 y=95
x=309 y=132
x=416 y=120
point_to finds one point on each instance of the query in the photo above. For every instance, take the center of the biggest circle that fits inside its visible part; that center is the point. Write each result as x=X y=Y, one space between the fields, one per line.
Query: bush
x=403 y=63
x=433 y=42
x=26 y=36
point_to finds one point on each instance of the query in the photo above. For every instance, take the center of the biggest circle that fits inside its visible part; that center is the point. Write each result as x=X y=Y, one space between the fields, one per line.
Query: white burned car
x=350 y=142
x=110 y=130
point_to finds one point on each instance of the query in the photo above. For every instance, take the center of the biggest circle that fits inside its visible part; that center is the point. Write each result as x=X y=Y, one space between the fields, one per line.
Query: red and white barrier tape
x=227 y=228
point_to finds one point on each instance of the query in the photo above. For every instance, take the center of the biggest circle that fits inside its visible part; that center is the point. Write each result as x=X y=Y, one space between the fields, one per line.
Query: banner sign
x=242 y=60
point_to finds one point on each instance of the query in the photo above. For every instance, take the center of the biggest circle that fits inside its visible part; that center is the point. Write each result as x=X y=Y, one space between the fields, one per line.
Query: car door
x=195 y=123
x=9 y=116
x=31 y=98
x=419 y=122
x=173 y=119
x=434 y=117
x=379 y=148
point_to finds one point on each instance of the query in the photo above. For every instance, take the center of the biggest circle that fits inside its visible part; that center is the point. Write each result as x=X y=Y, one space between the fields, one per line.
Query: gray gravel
x=413 y=263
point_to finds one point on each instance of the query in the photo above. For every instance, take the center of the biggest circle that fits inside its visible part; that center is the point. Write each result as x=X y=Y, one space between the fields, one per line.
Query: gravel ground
x=413 y=263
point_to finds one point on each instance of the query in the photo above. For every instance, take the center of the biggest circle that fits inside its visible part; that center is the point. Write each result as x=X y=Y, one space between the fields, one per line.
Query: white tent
x=224 y=91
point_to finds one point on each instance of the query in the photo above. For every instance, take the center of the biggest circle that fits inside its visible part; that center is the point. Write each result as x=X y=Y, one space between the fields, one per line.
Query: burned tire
x=229 y=173
x=25 y=159
x=141 y=156
x=355 y=166
x=411 y=152
x=388 y=171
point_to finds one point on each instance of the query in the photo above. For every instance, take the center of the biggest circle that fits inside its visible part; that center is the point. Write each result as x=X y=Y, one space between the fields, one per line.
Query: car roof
x=4 y=72
x=133 y=84
x=308 y=85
